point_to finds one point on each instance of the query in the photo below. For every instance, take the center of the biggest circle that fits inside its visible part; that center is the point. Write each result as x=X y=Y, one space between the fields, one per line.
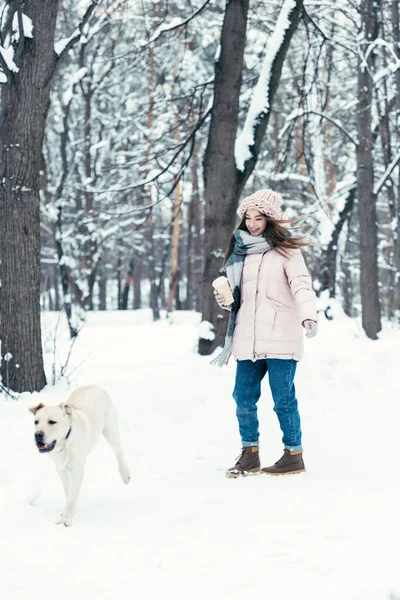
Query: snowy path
x=181 y=529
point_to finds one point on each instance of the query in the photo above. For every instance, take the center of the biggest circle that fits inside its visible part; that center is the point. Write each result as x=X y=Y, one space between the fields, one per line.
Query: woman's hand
x=311 y=328
x=220 y=299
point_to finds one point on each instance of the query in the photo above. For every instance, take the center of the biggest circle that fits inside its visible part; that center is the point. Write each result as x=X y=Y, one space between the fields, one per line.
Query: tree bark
x=396 y=38
x=127 y=286
x=137 y=284
x=325 y=271
x=196 y=238
x=220 y=176
x=25 y=99
x=103 y=289
x=176 y=221
x=371 y=310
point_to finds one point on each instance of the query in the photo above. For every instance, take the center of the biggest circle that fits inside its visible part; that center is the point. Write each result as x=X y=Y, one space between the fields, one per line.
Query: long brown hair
x=278 y=235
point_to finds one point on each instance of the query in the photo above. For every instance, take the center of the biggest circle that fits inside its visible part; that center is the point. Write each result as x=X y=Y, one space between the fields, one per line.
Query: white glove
x=311 y=328
x=220 y=299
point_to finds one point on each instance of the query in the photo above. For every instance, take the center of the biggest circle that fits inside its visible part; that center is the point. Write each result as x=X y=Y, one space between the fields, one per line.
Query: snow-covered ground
x=181 y=529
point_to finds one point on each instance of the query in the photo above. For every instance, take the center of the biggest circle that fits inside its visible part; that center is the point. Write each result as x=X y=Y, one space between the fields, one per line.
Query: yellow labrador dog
x=68 y=432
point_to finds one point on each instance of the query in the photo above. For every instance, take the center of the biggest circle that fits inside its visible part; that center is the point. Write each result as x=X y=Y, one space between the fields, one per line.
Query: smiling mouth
x=45 y=447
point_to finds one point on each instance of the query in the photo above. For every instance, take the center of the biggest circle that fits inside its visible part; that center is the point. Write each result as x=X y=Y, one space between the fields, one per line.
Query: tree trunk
x=325 y=271
x=189 y=258
x=127 y=286
x=371 y=311
x=197 y=238
x=25 y=99
x=119 y=281
x=396 y=38
x=137 y=284
x=220 y=185
x=103 y=289
x=223 y=182
x=150 y=244
x=176 y=220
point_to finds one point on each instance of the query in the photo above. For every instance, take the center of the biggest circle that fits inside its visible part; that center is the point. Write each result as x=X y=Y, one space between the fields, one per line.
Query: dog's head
x=52 y=424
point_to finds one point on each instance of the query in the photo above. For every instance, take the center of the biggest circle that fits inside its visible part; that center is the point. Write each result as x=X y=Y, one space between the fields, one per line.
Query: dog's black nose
x=39 y=435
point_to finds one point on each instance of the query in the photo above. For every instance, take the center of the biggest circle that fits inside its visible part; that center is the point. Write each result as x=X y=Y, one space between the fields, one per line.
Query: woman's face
x=256 y=222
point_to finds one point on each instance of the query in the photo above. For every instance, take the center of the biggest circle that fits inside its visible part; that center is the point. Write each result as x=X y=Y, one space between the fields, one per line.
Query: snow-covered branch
x=175 y=24
x=18 y=26
x=249 y=141
x=381 y=182
x=300 y=113
x=147 y=181
x=64 y=46
x=260 y=102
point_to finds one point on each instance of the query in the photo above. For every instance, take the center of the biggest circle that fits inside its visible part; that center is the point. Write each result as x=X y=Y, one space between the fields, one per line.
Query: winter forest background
x=130 y=130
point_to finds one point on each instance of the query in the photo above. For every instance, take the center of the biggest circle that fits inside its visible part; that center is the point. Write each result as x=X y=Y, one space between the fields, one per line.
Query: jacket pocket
x=288 y=327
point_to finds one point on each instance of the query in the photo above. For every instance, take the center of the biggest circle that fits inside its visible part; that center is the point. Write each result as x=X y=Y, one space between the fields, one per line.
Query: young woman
x=274 y=299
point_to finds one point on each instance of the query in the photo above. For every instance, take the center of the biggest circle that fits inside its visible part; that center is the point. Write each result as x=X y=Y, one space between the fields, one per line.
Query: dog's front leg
x=63 y=475
x=75 y=477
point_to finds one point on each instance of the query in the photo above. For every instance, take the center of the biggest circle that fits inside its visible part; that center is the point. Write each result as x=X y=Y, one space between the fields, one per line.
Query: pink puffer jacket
x=276 y=297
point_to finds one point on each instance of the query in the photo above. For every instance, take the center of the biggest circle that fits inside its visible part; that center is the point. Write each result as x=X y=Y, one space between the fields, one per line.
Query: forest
x=130 y=130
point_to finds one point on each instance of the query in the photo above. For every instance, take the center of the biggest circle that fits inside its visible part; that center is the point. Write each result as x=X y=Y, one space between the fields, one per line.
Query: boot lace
x=239 y=458
x=282 y=460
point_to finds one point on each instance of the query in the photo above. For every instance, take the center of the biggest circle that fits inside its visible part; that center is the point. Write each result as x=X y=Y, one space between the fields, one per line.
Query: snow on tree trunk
x=248 y=143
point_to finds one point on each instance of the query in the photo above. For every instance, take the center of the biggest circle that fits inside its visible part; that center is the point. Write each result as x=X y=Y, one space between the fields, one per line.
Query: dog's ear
x=67 y=408
x=34 y=409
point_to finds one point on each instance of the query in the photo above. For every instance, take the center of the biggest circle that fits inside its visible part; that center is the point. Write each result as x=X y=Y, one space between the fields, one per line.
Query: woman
x=273 y=301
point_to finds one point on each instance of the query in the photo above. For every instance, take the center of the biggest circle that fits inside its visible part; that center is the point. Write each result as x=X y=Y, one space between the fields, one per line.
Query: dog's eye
x=36 y=422
x=52 y=422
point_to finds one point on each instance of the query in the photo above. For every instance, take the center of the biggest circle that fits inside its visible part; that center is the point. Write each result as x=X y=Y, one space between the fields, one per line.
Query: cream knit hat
x=267 y=202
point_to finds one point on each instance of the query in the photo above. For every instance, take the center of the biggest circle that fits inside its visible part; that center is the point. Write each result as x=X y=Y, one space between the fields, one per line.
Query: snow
x=259 y=103
x=181 y=529
x=379 y=184
x=8 y=55
x=206 y=331
x=26 y=24
x=73 y=80
x=60 y=46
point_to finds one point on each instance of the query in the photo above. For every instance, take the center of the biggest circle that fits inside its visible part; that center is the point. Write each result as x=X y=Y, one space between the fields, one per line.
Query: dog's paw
x=126 y=476
x=64 y=520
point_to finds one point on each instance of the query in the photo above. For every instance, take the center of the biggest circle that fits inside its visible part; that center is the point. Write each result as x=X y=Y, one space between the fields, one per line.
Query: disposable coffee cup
x=221 y=284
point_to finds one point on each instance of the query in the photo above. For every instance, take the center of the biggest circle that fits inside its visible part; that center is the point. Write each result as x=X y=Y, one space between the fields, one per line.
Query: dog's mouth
x=45 y=447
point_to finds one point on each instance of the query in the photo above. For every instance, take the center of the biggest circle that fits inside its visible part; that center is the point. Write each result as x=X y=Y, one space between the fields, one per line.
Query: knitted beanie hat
x=266 y=202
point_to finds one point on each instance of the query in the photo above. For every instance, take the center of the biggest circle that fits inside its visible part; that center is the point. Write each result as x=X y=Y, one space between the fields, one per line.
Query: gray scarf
x=244 y=244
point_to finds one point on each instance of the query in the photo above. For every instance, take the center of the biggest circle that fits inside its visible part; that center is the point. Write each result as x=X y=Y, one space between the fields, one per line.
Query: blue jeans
x=249 y=375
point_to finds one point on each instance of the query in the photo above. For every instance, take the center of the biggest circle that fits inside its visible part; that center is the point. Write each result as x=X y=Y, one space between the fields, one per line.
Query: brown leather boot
x=289 y=464
x=247 y=462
